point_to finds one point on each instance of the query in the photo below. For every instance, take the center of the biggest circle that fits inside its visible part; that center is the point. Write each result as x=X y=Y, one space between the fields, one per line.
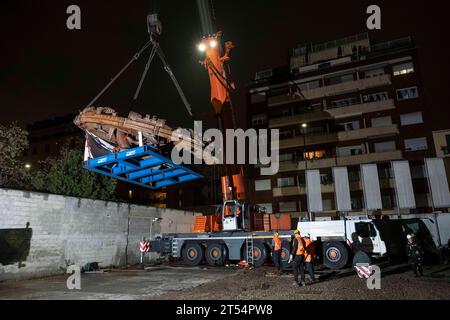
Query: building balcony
x=384 y=184
x=288 y=166
x=310 y=164
x=369 y=158
x=374 y=132
x=299 y=119
x=299 y=190
x=327 y=188
x=332 y=90
x=360 y=109
x=289 y=191
x=308 y=140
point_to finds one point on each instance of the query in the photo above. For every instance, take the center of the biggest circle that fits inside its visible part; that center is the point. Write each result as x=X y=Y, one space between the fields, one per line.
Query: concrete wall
x=41 y=234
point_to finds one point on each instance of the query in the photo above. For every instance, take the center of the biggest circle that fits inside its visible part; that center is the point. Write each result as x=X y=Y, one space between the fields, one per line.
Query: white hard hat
x=409 y=236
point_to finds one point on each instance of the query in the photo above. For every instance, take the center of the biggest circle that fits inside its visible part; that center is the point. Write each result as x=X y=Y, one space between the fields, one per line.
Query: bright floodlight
x=304 y=125
x=28 y=166
x=202 y=47
x=213 y=44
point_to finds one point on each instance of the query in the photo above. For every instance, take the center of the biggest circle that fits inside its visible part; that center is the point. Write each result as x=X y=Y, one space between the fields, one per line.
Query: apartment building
x=342 y=103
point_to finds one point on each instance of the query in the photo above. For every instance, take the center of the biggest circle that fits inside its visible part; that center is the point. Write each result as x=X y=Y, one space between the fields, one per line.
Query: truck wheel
x=193 y=254
x=259 y=254
x=335 y=255
x=216 y=254
x=285 y=253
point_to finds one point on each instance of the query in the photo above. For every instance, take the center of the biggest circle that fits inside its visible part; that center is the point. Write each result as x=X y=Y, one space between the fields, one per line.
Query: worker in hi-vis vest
x=297 y=257
x=276 y=251
x=309 y=256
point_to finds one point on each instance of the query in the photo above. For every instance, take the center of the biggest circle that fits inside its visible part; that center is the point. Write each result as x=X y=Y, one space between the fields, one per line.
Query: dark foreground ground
x=220 y=283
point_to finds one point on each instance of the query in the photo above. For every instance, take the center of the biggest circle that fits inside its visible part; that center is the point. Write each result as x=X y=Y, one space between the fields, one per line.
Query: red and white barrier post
x=144 y=247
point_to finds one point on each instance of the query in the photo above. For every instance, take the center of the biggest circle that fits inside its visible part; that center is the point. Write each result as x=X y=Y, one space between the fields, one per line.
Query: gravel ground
x=260 y=284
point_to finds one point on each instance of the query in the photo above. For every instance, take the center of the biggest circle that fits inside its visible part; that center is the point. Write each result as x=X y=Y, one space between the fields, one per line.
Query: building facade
x=342 y=103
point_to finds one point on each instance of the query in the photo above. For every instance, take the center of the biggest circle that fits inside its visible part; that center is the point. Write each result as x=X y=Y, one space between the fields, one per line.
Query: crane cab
x=235 y=216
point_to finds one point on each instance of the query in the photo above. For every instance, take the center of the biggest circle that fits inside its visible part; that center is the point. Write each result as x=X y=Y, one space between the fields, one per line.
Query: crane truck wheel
x=216 y=254
x=335 y=255
x=193 y=254
x=285 y=253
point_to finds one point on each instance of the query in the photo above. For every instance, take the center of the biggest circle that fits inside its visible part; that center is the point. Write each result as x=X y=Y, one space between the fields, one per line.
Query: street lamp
x=28 y=166
x=304 y=126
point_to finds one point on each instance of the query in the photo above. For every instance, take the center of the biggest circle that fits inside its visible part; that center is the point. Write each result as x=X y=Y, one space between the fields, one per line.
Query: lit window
x=403 y=68
x=407 y=93
x=310 y=155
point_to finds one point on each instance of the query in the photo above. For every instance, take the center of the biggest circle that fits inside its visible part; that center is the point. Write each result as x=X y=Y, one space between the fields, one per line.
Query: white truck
x=337 y=241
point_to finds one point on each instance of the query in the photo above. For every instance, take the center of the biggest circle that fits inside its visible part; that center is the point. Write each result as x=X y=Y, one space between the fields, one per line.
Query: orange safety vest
x=309 y=247
x=300 y=246
x=277 y=242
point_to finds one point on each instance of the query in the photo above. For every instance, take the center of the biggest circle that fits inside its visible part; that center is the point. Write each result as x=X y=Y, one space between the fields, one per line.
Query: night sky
x=47 y=70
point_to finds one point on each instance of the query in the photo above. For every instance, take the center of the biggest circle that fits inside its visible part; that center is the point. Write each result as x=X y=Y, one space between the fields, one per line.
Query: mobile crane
x=232 y=233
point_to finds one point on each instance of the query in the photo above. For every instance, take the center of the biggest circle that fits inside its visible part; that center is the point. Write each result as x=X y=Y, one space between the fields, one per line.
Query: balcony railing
x=309 y=164
x=369 y=132
x=369 y=158
x=359 y=109
x=299 y=190
x=288 y=166
x=298 y=119
x=332 y=90
x=308 y=140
